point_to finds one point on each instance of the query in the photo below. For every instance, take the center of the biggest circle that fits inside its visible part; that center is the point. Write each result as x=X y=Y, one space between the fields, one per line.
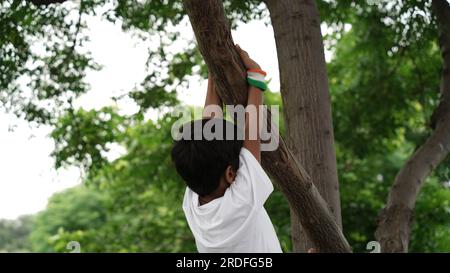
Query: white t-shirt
x=237 y=221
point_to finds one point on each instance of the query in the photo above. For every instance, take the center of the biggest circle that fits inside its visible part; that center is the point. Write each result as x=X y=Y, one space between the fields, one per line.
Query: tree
x=397 y=216
x=306 y=101
x=215 y=43
x=382 y=82
x=395 y=220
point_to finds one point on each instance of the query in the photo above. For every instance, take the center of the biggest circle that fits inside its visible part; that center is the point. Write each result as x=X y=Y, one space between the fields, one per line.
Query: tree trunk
x=394 y=226
x=215 y=43
x=306 y=101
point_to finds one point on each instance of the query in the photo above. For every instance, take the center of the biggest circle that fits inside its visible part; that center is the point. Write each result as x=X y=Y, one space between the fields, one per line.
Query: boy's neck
x=208 y=198
x=219 y=192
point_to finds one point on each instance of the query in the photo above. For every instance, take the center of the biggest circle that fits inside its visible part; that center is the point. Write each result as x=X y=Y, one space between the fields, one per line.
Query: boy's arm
x=213 y=104
x=252 y=141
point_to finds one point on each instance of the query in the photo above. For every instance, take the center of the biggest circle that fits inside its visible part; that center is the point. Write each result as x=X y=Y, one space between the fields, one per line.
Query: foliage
x=82 y=137
x=73 y=210
x=14 y=234
x=40 y=67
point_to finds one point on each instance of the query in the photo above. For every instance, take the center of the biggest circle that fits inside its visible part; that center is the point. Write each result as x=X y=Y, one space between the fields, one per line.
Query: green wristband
x=258 y=84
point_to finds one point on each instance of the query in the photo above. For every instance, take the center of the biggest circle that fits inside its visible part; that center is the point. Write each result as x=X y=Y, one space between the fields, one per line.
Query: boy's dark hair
x=202 y=162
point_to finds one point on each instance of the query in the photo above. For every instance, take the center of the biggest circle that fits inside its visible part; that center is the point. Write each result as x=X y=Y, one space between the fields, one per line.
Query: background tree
x=306 y=100
x=395 y=220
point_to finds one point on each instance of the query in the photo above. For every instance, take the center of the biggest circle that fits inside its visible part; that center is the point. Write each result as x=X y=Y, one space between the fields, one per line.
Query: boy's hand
x=254 y=99
x=248 y=62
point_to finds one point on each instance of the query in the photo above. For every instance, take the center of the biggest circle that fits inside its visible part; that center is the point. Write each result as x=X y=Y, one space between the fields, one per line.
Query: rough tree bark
x=306 y=101
x=215 y=43
x=394 y=226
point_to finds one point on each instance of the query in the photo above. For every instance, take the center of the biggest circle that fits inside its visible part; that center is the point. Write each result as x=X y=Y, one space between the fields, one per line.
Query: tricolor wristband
x=255 y=77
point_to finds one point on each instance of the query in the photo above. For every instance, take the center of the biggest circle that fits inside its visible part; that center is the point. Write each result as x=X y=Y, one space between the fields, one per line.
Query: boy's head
x=203 y=161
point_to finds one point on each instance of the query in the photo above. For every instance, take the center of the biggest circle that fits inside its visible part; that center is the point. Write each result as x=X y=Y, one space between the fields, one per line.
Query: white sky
x=27 y=176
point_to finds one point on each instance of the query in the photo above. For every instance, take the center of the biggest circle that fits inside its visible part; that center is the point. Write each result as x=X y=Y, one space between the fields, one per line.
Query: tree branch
x=394 y=226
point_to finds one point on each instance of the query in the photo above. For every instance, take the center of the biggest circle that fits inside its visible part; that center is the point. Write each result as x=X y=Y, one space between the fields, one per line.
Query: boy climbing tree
x=226 y=185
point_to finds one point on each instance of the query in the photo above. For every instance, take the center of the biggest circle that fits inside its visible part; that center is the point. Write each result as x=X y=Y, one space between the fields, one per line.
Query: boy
x=226 y=185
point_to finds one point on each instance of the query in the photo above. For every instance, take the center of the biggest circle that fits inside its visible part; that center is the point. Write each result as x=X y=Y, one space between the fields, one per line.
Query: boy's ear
x=230 y=175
